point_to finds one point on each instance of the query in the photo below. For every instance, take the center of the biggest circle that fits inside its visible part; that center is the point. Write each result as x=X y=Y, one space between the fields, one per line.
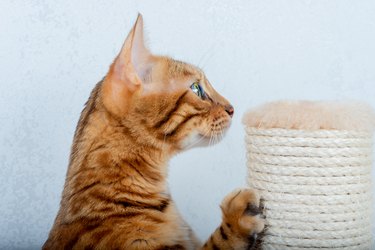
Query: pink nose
x=230 y=110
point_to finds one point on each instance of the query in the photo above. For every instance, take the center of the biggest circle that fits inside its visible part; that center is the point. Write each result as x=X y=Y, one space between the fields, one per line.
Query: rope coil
x=316 y=187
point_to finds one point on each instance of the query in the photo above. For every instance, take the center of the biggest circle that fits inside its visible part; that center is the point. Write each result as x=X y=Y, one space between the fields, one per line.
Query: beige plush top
x=310 y=115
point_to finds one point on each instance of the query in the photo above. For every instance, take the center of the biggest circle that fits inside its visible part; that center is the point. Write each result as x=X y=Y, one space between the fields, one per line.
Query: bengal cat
x=146 y=109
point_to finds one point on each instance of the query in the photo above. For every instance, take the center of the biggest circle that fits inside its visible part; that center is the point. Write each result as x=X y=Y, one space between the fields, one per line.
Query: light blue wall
x=53 y=52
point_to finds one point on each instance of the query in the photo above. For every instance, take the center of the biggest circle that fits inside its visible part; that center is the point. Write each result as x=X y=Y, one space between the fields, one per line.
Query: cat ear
x=129 y=69
x=134 y=59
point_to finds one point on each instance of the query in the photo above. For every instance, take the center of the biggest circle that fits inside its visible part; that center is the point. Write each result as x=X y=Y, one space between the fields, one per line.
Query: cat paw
x=242 y=212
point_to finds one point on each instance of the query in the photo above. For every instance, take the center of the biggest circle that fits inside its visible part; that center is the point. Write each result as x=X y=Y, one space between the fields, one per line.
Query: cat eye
x=198 y=90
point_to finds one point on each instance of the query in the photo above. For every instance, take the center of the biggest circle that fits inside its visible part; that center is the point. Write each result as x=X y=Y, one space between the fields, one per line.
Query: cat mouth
x=214 y=137
x=209 y=138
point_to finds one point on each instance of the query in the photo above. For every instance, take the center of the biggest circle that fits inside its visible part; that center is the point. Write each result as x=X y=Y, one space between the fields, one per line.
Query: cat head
x=162 y=100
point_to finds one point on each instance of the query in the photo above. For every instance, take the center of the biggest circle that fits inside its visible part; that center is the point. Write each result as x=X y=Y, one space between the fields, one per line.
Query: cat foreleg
x=241 y=222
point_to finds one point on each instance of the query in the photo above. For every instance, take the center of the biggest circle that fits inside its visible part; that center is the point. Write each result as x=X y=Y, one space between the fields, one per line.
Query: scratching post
x=311 y=162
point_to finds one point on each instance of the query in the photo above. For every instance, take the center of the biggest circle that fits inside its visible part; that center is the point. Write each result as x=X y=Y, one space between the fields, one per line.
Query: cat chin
x=196 y=140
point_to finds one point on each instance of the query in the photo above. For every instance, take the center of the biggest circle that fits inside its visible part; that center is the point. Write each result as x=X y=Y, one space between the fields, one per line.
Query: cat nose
x=230 y=110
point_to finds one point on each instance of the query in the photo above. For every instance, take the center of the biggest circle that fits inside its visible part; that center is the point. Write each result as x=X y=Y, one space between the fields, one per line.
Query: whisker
x=203 y=137
x=213 y=139
x=210 y=142
x=221 y=133
x=207 y=56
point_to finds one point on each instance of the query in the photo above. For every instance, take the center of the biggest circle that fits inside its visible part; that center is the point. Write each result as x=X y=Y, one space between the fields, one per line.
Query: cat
x=145 y=110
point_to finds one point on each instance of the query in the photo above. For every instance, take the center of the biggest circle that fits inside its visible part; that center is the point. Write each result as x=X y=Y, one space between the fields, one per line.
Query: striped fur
x=115 y=194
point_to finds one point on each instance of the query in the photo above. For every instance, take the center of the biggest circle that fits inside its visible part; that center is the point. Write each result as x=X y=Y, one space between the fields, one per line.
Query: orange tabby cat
x=145 y=110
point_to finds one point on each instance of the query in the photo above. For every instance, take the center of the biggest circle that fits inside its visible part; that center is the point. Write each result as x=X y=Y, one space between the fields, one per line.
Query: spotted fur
x=139 y=116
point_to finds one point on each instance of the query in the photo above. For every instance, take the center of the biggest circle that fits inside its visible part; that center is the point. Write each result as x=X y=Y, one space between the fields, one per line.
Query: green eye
x=198 y=90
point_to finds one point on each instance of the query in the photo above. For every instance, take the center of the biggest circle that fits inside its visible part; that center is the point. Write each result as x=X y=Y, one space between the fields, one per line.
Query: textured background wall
x=53 y=52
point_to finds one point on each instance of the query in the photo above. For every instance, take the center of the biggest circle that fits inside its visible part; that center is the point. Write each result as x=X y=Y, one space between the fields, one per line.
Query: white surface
x=53 y=52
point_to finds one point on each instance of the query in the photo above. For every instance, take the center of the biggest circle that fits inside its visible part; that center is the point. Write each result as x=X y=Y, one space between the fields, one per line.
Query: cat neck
x=111 y=144
x=109 y=150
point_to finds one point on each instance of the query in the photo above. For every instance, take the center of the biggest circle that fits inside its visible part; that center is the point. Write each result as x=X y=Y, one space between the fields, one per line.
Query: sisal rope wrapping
x=316 y=187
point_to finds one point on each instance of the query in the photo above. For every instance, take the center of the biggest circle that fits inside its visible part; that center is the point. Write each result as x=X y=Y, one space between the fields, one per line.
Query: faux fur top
x=309 y=115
